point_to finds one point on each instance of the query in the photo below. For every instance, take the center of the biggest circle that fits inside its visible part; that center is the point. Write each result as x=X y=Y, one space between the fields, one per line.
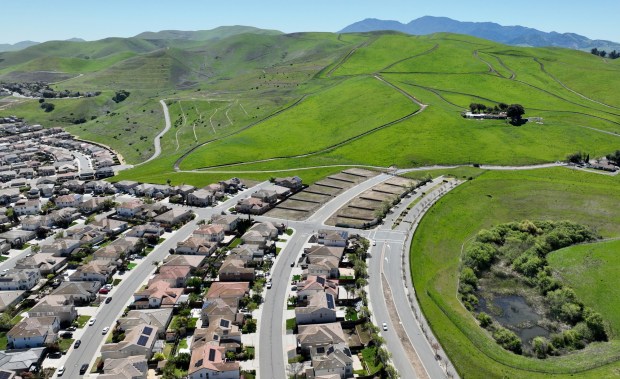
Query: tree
x=484 y=319
x=47 y=107
x=594 y=51
x=120 y=96
x=514 y=112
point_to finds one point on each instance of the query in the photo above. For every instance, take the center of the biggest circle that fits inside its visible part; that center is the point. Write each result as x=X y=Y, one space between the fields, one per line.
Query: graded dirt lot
x=366 y=207
x=303 y=204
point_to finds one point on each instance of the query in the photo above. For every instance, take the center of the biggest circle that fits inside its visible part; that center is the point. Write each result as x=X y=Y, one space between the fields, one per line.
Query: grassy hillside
x=343 y=102
x=498 y=197
x=592 y=271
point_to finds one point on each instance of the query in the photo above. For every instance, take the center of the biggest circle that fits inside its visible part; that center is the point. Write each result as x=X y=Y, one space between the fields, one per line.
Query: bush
x=484 y=319
x=469 y=277
x=120 y=96
x=595 y=323
x=508 y=340
x=541 y=346
x=479 y=256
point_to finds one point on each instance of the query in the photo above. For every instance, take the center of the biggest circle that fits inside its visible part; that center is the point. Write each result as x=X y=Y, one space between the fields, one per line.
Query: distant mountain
x=17 y=46
x=205 y=35
x=510 y=35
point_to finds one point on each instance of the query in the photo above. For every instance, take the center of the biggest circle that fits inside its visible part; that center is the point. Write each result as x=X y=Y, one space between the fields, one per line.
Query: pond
x=515 y=314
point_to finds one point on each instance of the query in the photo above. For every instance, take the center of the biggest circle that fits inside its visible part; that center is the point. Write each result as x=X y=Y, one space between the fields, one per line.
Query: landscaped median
x=491 y=199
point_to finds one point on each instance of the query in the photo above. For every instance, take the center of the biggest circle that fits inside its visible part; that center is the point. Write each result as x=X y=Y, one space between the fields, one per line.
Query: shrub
x=484 y=319
x=541 y=346
x=479 y=256
x=508 y=340
x=469 y=277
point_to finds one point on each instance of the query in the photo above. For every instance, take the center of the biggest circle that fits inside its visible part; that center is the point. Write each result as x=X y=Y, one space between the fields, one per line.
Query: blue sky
x=42 y=20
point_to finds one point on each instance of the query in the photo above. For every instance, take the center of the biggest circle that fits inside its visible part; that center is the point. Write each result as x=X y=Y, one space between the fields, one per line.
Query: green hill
x=204 y=35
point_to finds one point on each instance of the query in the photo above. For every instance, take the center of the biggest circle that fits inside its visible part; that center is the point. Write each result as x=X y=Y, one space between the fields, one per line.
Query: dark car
x=66 y=334
x=71 y=329
x=108 y=299
x=84 y=368
x=77 y=344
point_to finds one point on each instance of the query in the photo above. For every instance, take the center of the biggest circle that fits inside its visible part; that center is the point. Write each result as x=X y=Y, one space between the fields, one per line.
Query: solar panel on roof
x=224 y=323
x=330 y=301
x=143 y=340
x=147 y=330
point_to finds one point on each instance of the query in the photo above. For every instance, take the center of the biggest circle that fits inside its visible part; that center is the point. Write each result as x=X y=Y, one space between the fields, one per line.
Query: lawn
x=65 y=343
x=291 y=324
x=82 y=320
x=3 y=340
x=492 y=198
x=592 y=271
x=369 y=355
x=3 y=258
x=131 y=266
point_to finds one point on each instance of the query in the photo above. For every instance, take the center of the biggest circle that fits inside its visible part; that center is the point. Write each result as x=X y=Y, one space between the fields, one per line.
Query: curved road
x=157 y=139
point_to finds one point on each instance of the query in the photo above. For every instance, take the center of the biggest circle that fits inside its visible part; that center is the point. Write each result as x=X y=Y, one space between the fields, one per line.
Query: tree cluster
x=578 y=157
x=614 y=157
x=120 y=96
x=523 y=247
x=482 y=108
x=602 y=53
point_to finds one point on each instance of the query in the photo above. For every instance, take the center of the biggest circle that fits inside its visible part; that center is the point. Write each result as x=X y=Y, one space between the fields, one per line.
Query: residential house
x=19 y=279
x=5 y=246
x=330 y=360
x=126 y=186
x=252 y=205
x=325 y=251
x=61 y=247
x=217 y=189
x=9 y=195
x=32 y=223
x=10 y=299
x=27 y=207
x=217 y=308
x=18 y=361
x=95 y=270
x=228 y=222
x=17 y=237
x=315 y=284
x=145 y=230
x=86 y=234
x=232 y=185
x=322 y=266
x=200 y=198
x=184 y=190
x=209 y=361
x=228 y=291
x=132 y=367
x=33 y=332
x=333 y=237
x=129 y=209
x=317 y=335
x=176 y=276
x=221 y=332
x=158 y=318
x=78 y=292
x=65 y=201
x=247 y=253
x=45 y=263
x=233 y=270
x=292 y=182
x=104 y=172
x=267 y=229
x=193 y=261
x=321 y=308
x=46 y=170
x=174 y=217
x=110 y=226
x=266 y=196
x=210 y=233
x=195 y=246
x=254 y=238
x=46 y=190
x=99 y=187
x=157 y=294
x=138 y=341
x=55 y=305
x=92 y=205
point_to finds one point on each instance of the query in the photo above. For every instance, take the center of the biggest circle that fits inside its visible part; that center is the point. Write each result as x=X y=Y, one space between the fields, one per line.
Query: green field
x=592 y=271
x=492 y=198
x=260 y=102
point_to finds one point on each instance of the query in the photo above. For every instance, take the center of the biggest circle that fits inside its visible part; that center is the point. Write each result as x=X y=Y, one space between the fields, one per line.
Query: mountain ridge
x=510 y=35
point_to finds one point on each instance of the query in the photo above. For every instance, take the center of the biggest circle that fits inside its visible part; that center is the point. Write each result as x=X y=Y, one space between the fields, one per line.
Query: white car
x=61 y=370
x=105 y=330
x=91 y=322
x=384 y=327
x=268 y=285
x=374 y=243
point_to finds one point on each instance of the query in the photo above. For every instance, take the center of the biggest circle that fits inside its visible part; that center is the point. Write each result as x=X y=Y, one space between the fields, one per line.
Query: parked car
x=83 y=369
x=108 y=299
x=384 y=327
x=61 y=370
x=77 y=344
x=66 y=334
x=71 y=329
x=105 y=330
x=91 y=322
x=268 y=285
